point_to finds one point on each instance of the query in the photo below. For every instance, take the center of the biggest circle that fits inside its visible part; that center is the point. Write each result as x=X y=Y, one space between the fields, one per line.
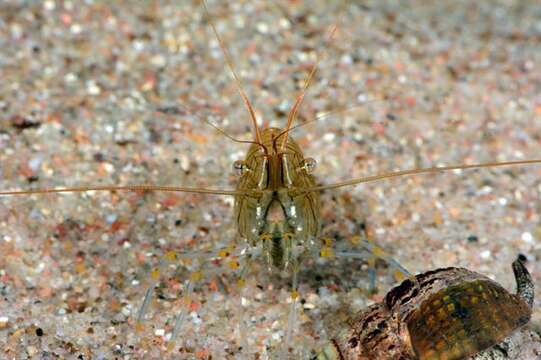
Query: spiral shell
x=448 y=314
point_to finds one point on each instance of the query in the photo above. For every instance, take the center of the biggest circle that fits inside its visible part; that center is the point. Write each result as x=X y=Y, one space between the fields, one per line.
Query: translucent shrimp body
x=280 y=218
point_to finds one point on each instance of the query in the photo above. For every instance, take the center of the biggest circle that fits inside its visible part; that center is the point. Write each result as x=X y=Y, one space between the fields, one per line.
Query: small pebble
x=527 y=238
x=3 y=322
x=31 y=350
x=485 y=254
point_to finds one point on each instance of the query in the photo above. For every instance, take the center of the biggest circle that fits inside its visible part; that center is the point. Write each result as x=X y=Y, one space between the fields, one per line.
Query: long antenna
x=176 y=111
x=143 y=187
x=294 y=109
x=217 y=128
x=411 y=172
x=235 y=76
x=327 y=114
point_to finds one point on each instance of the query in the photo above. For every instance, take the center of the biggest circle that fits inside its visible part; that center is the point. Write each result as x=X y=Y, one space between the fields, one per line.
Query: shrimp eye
x=309 y=165
x=240 y=167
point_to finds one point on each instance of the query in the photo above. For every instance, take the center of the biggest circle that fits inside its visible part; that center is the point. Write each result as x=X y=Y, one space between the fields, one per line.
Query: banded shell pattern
x=449 y=314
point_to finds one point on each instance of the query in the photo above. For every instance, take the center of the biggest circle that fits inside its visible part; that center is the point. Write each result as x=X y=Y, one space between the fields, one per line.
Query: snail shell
x=451 y=313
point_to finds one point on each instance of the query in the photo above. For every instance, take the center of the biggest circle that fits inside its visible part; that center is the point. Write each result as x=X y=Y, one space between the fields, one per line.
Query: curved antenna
x=175 y=111
x=237 y=140
x=328 y=114
x=419 y=171
x=235 y=76
x=142 y=187
x=294 y=109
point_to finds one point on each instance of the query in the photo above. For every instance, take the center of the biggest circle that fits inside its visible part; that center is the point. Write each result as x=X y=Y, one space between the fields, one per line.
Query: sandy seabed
x=93 y=93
